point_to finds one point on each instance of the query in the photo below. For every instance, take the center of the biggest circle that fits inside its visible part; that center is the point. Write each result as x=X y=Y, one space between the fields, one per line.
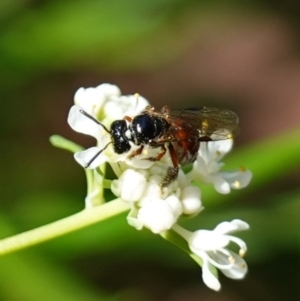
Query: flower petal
x=85 y=157
x=218 y=149
x=228 y=227
x=220 y=184
x=208 y=277
x=152 y=191
x=199 y=171
x=175 y=204
x=191 y=202
x=134 y=106
x=133 y=185
x=130 y=105
x=205 y=240
x=116 y=187
x=82 y=124
x=237 y=179
x=108 y=90
x=239 y=267
x=241 y=225
x=240 y=243
x=157 y=215
x=92 y=99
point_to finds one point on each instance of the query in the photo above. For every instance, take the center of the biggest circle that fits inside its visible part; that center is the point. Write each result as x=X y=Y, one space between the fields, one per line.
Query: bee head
x=119 y=140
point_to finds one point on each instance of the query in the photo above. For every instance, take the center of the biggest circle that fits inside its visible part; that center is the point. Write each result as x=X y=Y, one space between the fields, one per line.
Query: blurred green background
x=241 y=55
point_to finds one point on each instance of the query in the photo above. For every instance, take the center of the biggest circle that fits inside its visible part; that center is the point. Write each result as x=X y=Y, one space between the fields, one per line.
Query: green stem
x=95 y=188
x=116 y=169
x=176 y=237
x=61 y=227
x=107 y=183
x=181 y=231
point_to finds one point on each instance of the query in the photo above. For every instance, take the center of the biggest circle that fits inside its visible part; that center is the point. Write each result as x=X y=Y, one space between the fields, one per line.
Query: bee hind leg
x=171 y=175
x=172 y=172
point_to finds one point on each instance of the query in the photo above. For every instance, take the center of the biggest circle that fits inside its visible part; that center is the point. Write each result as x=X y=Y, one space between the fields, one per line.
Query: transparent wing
x=214 y=123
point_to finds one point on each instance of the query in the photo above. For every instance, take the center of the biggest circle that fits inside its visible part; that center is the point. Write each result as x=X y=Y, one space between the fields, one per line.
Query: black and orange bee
x=178 y=131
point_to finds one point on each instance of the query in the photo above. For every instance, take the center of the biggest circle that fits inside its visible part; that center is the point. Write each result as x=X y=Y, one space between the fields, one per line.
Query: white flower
x=82 y=124
x=119 y=106
x=91 y=100
x=210 y=246
x=191 y=200
x=152 y=207
x=130 y=186
x=207 y=167
x=106 y=101
x=139 y=181
x=157 y=215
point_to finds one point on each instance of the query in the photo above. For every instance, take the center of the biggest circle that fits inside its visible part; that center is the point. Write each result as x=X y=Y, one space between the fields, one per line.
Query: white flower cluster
x=139 y=180
x=153 y=208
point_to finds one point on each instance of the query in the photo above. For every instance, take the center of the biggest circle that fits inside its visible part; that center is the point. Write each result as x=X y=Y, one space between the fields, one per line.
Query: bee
x=178 y=131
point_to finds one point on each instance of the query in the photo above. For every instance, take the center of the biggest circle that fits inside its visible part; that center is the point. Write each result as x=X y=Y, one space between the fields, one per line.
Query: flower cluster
x=138 y=181
x=153 y=208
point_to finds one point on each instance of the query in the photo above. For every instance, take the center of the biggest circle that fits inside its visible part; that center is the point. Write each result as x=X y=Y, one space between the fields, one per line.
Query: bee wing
x=217 y=124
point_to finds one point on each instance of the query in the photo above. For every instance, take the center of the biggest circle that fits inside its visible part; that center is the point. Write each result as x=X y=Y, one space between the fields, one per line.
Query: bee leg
x=159 y=155
x=172 y=172
x=127 y=118
x=171 y=175
x=136 y=152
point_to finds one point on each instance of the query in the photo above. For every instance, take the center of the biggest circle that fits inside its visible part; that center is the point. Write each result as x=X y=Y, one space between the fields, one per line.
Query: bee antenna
x=95 y=120
x=97 y=154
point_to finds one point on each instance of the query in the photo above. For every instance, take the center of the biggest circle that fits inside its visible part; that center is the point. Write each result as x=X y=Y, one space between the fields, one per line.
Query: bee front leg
x=136 y=152
x=162 y=152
